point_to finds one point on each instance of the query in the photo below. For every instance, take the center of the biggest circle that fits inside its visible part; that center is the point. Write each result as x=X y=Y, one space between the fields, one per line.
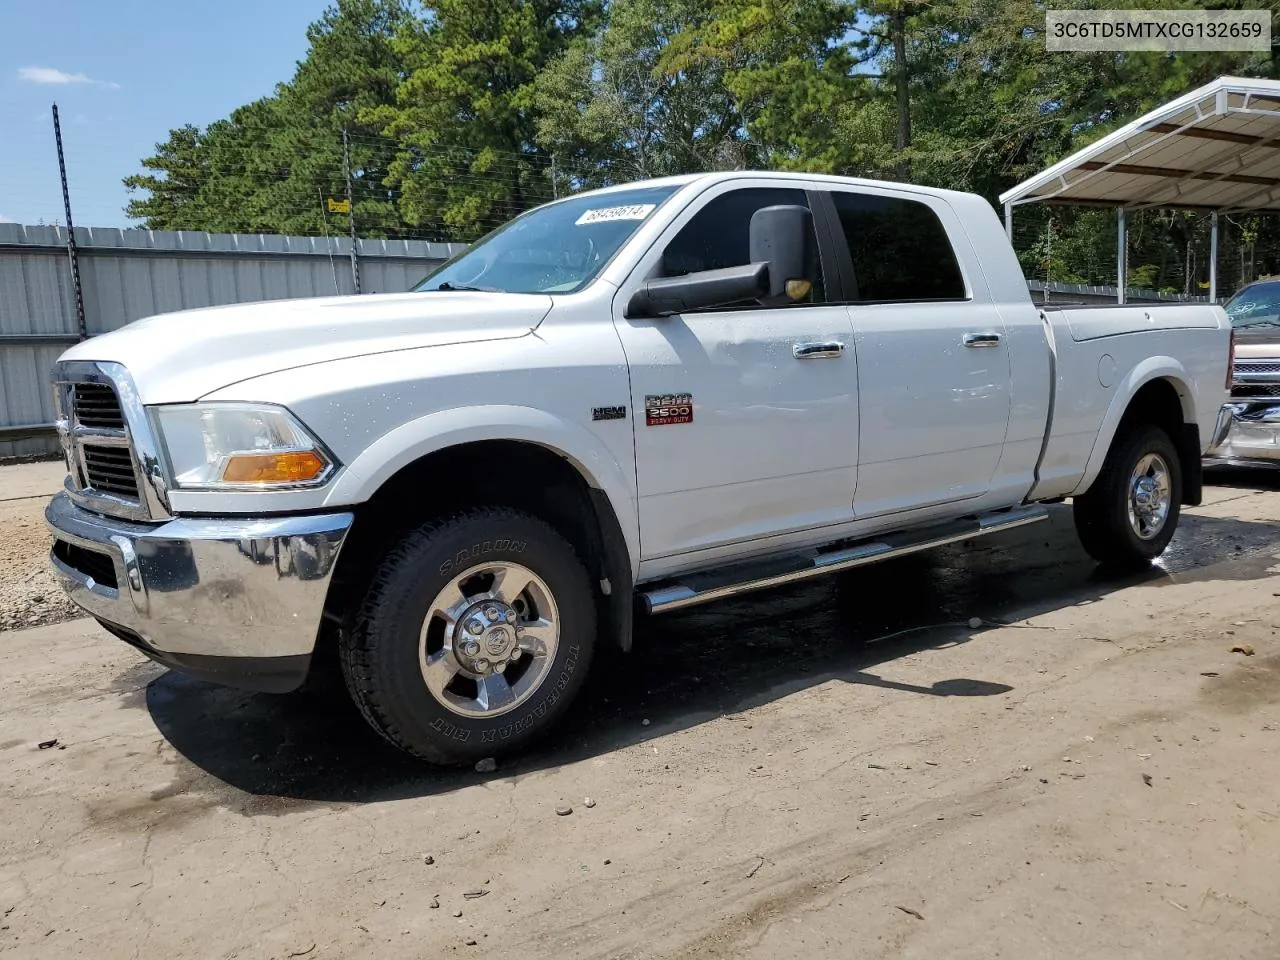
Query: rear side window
x=900 y=249
x=718 y=236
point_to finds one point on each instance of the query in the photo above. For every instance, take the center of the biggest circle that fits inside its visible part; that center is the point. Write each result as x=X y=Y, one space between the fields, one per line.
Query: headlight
x=238 y=446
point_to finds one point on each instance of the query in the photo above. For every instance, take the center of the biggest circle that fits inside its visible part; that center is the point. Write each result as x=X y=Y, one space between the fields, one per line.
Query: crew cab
x=631 y=400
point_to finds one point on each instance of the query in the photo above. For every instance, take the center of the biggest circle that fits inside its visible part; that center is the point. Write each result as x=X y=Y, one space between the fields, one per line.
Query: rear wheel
x=1131 y=512
x=475 y=635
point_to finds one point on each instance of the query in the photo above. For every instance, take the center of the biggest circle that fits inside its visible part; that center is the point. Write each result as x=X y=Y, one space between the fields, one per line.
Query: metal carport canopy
x=1216 y=149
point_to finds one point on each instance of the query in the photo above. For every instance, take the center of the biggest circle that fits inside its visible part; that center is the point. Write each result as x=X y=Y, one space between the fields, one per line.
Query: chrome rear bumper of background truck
x=1248 y=434
x=236 y=601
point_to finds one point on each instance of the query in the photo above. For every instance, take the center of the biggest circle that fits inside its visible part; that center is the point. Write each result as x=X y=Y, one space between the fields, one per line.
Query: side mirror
x=778 y=237
x=665 y=296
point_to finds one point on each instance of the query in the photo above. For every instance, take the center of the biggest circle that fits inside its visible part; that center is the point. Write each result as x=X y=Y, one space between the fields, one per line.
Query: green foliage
x=462 y=113
x=785 y=70
x=464 y=117
x=175 y=197
x=620 y=105
x=272 y=163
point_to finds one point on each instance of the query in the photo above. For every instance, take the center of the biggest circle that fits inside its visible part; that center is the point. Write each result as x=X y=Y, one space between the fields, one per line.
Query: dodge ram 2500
x=635 y=399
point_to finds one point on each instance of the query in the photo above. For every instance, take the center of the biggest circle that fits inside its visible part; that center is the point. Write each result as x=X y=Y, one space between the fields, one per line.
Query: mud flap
x=1192 y=465
x=619 y=610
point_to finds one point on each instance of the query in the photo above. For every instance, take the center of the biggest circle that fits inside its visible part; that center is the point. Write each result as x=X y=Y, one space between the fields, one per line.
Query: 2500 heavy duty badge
x=667 y=409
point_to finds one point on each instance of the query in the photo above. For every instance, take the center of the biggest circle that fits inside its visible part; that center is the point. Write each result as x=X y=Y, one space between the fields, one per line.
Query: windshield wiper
x=465 y=288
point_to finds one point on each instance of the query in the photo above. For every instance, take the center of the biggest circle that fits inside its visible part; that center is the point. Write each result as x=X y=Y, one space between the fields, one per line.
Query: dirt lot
x=28 y=593
x=1098 y=778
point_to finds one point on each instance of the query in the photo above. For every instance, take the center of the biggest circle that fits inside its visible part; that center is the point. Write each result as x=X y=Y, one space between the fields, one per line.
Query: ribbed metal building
x=129 y=274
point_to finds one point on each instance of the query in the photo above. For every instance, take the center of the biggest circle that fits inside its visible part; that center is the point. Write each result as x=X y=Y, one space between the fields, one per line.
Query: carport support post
x=1213 y=257
x=1122 y=249
x=1008 y=221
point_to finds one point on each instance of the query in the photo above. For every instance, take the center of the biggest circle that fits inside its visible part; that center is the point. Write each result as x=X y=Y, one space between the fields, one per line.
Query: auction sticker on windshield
x=634 y=211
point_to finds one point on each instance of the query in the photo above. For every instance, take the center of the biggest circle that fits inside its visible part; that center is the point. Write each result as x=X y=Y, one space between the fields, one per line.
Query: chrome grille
x=1256 y=378
x=96 y=405
x=110 y=470
x=1244 y=391
x=111 y=457
x=1251 y=366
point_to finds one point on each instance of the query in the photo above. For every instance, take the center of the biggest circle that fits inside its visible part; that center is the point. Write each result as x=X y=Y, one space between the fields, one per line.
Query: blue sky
x=123 y=73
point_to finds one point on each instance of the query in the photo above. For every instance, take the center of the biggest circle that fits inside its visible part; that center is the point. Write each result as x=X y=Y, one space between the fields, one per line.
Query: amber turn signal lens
x=294 y=466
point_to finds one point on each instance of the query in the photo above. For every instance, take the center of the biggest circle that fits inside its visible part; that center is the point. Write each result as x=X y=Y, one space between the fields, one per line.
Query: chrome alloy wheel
x=489 y=639
x=1150 y=496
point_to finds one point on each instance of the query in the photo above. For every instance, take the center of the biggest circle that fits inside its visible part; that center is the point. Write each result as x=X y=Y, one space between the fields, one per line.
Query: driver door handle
x=981 y=339
x=813 y=351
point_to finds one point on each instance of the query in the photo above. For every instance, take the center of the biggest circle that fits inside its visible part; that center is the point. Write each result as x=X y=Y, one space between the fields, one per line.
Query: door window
x=718 y=236
x=900 y=249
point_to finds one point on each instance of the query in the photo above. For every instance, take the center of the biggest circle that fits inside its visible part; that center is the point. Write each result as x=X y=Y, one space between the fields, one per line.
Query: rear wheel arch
x=1165 y=401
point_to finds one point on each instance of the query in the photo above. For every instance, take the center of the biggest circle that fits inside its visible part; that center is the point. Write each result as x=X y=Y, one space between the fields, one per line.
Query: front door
x=746 y=419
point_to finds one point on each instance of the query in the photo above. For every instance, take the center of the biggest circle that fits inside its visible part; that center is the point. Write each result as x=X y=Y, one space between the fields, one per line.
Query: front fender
x=1147 y=370
x=411 y=441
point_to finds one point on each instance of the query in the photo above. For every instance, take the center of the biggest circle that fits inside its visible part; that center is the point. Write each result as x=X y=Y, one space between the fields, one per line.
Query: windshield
x=1257 y=305
x=557 y=248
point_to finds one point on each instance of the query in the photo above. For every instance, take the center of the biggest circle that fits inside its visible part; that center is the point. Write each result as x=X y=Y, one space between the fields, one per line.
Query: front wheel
x=1131 y=512
x=475 y=635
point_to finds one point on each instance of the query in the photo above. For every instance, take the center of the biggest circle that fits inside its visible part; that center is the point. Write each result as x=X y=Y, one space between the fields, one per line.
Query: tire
x=400 y=638
x=1102 y=515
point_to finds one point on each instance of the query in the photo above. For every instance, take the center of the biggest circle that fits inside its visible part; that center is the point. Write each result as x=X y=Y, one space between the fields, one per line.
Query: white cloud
x=4 y=219
x=52 y=76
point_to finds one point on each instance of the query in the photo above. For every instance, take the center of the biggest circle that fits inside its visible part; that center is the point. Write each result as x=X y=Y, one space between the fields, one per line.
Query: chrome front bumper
x=1248 y=433
x=238 y=601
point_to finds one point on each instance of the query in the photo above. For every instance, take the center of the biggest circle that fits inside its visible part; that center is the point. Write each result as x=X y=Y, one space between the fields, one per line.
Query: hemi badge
x=608 y=413
x=668 y=409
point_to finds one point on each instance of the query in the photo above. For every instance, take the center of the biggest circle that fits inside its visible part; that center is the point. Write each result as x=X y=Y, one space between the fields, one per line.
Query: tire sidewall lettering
x=453 y=731
x=480 y=550
x=539 y=710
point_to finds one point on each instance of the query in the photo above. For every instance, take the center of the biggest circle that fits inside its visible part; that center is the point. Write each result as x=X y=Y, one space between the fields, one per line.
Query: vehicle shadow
x=689 y=668
x=1245 y=478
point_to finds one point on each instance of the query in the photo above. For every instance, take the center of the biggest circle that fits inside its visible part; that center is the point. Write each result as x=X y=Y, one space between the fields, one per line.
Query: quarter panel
x=1098 y=378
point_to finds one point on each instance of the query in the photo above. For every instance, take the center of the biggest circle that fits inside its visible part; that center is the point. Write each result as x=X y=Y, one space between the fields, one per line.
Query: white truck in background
x=639 y=398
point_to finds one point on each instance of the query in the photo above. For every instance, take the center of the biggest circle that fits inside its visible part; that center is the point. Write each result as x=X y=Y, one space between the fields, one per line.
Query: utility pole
x=71 y=229
x=351 y=210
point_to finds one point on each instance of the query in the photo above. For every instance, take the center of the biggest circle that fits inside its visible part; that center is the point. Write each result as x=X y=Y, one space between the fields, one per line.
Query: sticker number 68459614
x=633 y=211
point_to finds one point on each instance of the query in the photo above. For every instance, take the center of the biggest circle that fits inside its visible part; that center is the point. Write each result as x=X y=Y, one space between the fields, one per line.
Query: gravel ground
x=29 y=594
x=807 y=773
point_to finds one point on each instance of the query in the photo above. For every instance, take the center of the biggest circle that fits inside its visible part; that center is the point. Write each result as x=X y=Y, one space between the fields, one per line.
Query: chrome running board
x=717 y=584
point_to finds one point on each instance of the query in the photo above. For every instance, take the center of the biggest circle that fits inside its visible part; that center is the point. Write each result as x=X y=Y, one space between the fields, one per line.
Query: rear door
x=933 y=362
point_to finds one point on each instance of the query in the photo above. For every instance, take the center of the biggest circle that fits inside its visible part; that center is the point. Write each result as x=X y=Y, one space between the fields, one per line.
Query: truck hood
x=179 y=357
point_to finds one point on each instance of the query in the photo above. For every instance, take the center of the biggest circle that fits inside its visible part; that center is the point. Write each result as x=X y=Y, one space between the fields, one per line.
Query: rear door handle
x=811 y=351
x=981 y=339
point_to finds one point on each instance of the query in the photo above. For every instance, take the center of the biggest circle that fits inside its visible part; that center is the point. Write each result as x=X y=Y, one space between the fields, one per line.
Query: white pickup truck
x=639 y=398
